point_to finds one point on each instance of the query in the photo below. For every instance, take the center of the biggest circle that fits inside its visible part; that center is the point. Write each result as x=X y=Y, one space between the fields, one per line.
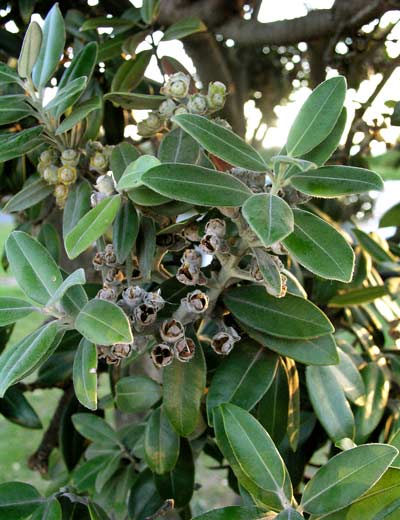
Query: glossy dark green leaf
x=334 y=181
x=66 y=96
x=346 y=477
x=149 y=10
x=30 y=50
x=103 y=323
x=79 y=113
x=329 y=402
x=91 y=226
x=50 y=510
x=183 y=28
x=131 y=72
x=13 y=108
x=16 y=408
x=179 y=147
x=49 y=238
x=94 y=428
x=52 y=47
x=106 y=21
x=19 y=143
x=18 y=500
x=134 y=100
x=252 y=456
x=13 y=309
x=289 y=317
x=34 y=269
x=21 y=359
x=368 y=416
x=125 y=231
x=348 y=377
x=85 y=374
x=242 y=378
x=269 y=216
x=391 y=217
x=146 y=246
x=121 y=156
x=131 y=178
x=107 y=471
x=161 y=443
x=77 y=205
x=196 y=185
x=317 y=245
x=136 y=393
x=221 y=142
x=7 y=74
x=373 y=245
x=144 y=499
x=317 y=116
x=58 y=367
x=82 y=64
x=358 y=296
x=84 y=476
x=289 y=514
x=232 y=513
x=144 y=196
x=183 y=388
x=178 y=484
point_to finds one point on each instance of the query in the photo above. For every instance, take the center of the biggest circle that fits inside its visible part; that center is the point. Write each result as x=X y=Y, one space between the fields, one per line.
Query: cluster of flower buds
x=141 y=306
x=258 y=277
x=59 y=171
x=174 y=344
x=115 y=354
x=189 y=273
x=213 y=240
x=223 y=342
x=179 y=101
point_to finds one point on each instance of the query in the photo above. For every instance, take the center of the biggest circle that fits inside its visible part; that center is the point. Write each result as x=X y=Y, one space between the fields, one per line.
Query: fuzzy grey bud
x=177 y=86
x=216 y=95
x=151 y=125
x=50 y=174
x=167 y=108
x=108 y=294
x=70 y=157
x=105 y=184
x=197 y=104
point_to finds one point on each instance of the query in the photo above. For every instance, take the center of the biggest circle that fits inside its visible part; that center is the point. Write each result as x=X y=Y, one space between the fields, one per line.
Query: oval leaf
x=161 y=443
x=84 y=374
x=13 y=309
x=18 y=500
x=136 y=393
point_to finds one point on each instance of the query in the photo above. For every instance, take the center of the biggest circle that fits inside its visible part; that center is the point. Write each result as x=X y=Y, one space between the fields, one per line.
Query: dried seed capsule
x=98 y=162
x=278 y=248
x=172 y=330
x=67 y=174
x=144 y=315
x=154 y=299
x=177 y=86
x=162 y=355
x=196 y=302
x=197 y=104
x=190 y=275
x=98 y=261
x=70 y=157
x=211 y=244
x=191 y=232
x=105 y=184
x=216 y=226
x=216 y=95
x=191 y=257
x=121 y=350
x=185 y=349
x=114 y=277
x=50 y=174
x=107 y=293
x=109 y=256
x=133 y=296
x=224 y=341
x=167 y=108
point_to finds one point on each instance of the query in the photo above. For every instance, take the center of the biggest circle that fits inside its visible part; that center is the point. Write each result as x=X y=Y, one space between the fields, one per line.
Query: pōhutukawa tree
x=232 y=315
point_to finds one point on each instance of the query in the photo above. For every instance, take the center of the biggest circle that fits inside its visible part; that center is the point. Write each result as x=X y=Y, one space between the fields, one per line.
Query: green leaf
x=136 y=393
x=18 y=500
x=391 y=217
x=13 y=108
x=131 y=178
x=317 y=245
x=121 y=156
x=380 y=502
x=85 y=374
x=144 y=499
x=134 y=100
x=13 y=309
x=183 y=28
x=125 y=231
x=103 y=323
x=316 y=351
x=94 y=428
x=368 y=416
x=243 y=378
x=149 y=11
x=8 y=75
x=289 y=514
x=269 y=271
x=34 y=269
x=76 y=278
x=161 y=443
x=358 y=296
x=183 y=389
x=107 y=471
x=30 y=50
x=178 y=484
x=21 y=359
x=288 y=317
x=348 y=377
x=48 y=237
x=79 y=113
x=329 y=402
x=20 y=143
x=82 y=64
x=252 y=456
x=131 y=73
x=395 y=441
x=232 y=513
x=50 y=510
x=31 y=194
x=144 y=196
x=196 y=185
x=379 y=250
x=346 y=477
x=52 y=47
x=77 y=205
x=16 y=408
x=317 y=116
x=333 y=181
x=221 y=142
x=146 y=246
x=179 y=147
x=84 y=476
x=91 y=226
x=105 y=21
x=66 y=96
x=269 y=216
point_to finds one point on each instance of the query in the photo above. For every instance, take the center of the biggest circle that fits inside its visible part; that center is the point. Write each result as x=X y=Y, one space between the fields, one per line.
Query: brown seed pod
x=114 y=277
x=216 y=226
x=172 y=330
x=109 y=256
x=196 y=301
x=121 y=350
x=144 y=315
x=98 y=261
x=154 y=299
x=107 y=293
x=162 y=355
x=133 y=295
x=184 y=349
x=224 y=341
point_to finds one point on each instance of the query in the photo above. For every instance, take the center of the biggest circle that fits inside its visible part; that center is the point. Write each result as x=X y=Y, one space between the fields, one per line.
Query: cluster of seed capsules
x=180 y=101
x=61 y=170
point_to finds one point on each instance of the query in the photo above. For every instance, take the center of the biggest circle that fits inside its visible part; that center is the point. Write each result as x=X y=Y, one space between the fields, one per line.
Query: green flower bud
x=181 y=110
x=50 y=174
x=216 y=95
x=61 y=194
x=105 y=184
x=48 y=156
x=167 y=108
x=70 y=157
x=67 y=174
x=197 y=104
x=150 y=126
x=98 y=162
x=177 y=86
